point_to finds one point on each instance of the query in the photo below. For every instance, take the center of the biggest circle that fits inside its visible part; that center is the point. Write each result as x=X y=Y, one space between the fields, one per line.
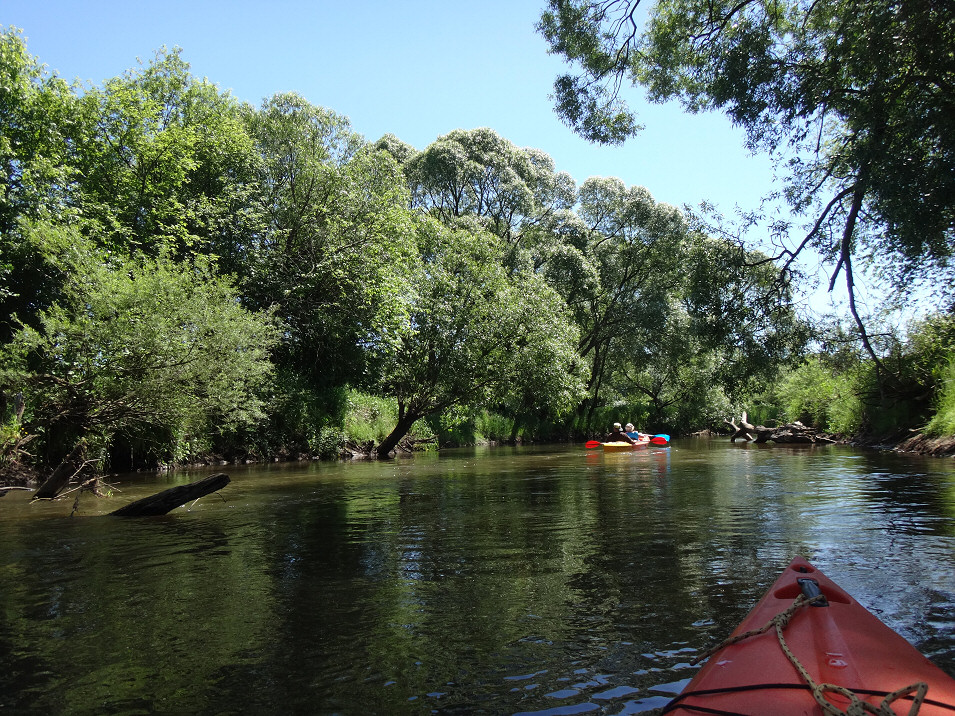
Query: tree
x=856 y=98
x=633 y=247
x=334 y=250
x=165 y=161
x=37 y=122
x=475 y=335
x=723 y=334
x=479 y=174
x=139 y=349
x=667 y=315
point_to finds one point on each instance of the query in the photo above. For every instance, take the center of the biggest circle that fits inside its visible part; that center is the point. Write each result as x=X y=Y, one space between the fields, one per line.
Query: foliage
x=929 y=348
x=36 y=117
x=818 y=396
x=298 y=414
x=474 y=333
x=165 y=162
x=138 y=347
x=335 y=252
x=943 y=421
x=369 y=417
x=673 y=323
x=37 y=113
x=479 y=174
x=853 y=98
x=184 y=276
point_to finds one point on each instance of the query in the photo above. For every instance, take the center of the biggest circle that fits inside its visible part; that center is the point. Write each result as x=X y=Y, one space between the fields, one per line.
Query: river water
x=542 y=579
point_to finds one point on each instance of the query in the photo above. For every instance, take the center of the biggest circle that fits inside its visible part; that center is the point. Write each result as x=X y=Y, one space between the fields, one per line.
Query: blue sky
x=417 y=69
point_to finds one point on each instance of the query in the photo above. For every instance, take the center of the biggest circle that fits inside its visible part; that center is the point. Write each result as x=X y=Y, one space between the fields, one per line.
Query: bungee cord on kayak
x=857 y=706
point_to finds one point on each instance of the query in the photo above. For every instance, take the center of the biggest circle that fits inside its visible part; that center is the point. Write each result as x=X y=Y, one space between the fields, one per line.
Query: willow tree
x=619 y=261
x=476 y=335
x=720 y=334
x=855 y=99
x=477 y=174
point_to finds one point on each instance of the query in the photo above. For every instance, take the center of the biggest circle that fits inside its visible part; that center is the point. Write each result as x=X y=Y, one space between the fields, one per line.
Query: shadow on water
x=547 y=580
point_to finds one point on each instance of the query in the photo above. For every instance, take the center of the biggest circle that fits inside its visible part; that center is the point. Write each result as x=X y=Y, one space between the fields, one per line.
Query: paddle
x=592 y=444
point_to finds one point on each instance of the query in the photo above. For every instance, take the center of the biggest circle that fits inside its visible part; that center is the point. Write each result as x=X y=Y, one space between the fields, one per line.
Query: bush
x=817 y=396
x=369 y=417
x=943 y=422
x=136 y=348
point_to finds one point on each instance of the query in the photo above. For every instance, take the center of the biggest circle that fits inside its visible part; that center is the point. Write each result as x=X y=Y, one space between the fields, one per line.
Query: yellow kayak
x=623 y=447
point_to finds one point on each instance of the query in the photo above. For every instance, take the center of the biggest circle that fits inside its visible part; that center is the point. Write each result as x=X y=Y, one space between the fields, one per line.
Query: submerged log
x=168 y=500
x=792 y=433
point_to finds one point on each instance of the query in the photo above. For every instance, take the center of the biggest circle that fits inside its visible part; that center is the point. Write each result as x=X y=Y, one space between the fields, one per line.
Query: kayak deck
x=838 y=643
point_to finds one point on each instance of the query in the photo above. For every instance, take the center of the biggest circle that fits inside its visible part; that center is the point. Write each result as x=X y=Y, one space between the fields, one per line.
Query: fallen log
x=792 y=433
x=168 y=500
x=71 y=466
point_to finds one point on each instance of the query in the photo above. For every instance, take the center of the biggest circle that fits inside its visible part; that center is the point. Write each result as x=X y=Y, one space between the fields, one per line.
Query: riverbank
x=939 y=447
x=18 y=475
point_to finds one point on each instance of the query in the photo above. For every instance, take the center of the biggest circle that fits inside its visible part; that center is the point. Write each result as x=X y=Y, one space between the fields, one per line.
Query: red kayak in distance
x=841 y=652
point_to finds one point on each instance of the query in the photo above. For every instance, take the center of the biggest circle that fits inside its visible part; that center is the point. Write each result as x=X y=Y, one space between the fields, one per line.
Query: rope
x=857 y=706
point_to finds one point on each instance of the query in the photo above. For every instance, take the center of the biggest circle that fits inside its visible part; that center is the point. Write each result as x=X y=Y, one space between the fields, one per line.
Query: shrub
x=817 y=396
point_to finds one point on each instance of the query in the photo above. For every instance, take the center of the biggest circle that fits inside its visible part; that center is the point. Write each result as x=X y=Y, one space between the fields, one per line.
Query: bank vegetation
x=186 y=278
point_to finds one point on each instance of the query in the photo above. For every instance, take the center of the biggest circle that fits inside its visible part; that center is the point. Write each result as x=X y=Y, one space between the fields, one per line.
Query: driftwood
x=71 y=466
x=791 y=433
x=168 y=500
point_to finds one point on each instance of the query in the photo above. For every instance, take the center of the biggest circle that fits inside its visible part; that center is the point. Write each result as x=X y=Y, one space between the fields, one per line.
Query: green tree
x=37 y=124
x=724 y=335
x=855 y=97
x=335 y=248
x=669 y=317
x=165 y=161
x=818 y=395
x=622 y=278
x=479 y=174
x=476 y=336
x=139 y=349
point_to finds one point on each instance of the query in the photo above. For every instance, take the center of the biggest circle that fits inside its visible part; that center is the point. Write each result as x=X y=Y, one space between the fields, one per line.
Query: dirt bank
x=923 y=445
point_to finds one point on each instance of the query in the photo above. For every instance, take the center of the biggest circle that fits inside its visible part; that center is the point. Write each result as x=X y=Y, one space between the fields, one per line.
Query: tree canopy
x=855 y=99
x=183 y=275
x=475 y=335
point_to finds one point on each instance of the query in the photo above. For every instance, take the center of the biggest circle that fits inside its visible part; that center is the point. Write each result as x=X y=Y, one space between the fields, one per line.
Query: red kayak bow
x=843 y=660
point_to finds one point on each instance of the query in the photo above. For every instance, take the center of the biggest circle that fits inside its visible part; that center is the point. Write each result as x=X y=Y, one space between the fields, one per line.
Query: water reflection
x=541 y=580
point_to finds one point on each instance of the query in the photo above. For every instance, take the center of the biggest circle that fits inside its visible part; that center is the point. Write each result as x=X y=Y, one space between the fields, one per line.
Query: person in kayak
x=619 y=436
x=633 y=432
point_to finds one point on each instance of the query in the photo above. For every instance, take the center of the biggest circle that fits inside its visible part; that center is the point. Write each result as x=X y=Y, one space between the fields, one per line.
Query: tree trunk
x=405 y=422
x=168 y=500
x=72 y=464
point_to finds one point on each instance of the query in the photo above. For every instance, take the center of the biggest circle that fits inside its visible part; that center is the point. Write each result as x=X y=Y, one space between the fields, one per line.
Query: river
x=538 y=579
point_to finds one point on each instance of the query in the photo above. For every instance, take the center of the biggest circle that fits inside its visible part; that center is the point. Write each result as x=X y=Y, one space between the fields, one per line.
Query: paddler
x=619 y=436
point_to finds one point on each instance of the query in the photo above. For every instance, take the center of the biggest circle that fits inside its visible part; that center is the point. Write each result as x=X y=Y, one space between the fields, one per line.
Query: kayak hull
x=841 y=644
x=625 y=447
